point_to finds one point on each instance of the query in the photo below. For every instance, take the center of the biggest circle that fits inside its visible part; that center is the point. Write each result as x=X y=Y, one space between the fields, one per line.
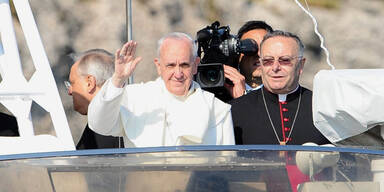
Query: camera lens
x=213 y=75
x=210 y=77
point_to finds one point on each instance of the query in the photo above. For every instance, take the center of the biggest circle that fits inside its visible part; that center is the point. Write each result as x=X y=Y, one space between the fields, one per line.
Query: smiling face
x=277 y=78
x=176 y=65
x=250 y=65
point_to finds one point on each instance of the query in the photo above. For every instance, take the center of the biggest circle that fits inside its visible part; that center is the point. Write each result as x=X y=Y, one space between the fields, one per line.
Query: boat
x=51 y=163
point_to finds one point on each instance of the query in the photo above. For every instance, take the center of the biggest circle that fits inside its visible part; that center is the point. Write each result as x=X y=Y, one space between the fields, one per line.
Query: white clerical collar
x=283 y=97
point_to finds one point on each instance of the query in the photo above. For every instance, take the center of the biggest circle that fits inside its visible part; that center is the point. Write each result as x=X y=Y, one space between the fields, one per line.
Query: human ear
x=91 y=83
x=195 y=65
x=302 y=61
x=157 y=64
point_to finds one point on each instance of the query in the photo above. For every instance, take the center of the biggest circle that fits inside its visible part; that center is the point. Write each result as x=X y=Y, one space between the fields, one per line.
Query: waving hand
x=125 y=63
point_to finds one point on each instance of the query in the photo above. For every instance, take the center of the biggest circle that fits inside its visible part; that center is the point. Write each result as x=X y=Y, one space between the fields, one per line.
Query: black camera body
x=217 y=47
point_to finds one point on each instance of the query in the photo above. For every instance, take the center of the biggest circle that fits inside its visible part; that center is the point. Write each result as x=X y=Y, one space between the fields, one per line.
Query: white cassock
x=147 y=115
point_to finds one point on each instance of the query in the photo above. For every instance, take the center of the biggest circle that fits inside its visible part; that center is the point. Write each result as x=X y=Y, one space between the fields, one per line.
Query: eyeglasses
x=67 y=84
x=283 y=60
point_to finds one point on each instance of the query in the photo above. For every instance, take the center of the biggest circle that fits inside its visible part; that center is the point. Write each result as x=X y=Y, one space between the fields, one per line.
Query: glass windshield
x=245 y=168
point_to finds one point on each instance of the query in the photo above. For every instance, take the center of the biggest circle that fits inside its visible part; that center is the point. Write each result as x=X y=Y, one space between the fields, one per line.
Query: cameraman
x=249 y=66
x=249 y=77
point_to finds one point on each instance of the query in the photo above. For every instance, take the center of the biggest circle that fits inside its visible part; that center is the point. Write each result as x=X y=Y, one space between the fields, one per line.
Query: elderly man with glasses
x=89 y=72
x=280 y=112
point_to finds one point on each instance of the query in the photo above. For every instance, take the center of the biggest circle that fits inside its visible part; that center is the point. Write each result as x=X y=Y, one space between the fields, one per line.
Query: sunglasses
x=283 y=60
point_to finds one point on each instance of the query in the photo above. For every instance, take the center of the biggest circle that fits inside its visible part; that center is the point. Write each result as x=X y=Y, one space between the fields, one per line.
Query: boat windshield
x=203 y=168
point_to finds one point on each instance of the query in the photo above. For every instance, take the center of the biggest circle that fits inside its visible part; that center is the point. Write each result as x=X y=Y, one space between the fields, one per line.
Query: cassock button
x=285 y=109
x=284 y=102
x=288 y=139
x=286 y=119
x=287 y=129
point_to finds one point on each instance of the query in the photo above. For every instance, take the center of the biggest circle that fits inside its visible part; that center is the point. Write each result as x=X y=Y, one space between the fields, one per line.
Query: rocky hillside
x=351 y=28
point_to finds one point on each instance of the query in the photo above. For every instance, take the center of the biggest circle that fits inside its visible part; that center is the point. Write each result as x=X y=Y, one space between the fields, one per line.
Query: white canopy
x=348 y=102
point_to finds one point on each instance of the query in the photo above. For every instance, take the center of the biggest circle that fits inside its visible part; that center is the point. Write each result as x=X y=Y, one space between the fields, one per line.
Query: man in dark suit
x=88 y=74
x=281 y=111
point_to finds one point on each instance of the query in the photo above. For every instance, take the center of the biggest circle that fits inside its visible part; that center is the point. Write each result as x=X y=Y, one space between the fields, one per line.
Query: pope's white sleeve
x=228 y=133
x=224 y=124
x=104 y=110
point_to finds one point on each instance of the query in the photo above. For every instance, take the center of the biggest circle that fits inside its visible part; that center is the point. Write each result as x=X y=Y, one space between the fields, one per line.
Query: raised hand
x=238 y=88
x=125 y=63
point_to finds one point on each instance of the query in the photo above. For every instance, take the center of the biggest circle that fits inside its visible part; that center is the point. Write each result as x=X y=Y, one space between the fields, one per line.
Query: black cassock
x=252 y=125
x=93 y=140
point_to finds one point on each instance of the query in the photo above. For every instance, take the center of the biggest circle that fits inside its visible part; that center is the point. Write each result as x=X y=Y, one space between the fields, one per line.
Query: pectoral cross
x=282 y=153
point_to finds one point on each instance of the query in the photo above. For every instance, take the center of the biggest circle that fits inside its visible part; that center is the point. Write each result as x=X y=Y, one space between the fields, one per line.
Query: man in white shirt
x=172 y=110
x=88 y=73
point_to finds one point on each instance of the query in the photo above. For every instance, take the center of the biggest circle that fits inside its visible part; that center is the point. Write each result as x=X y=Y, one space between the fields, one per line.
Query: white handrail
x=17 y=94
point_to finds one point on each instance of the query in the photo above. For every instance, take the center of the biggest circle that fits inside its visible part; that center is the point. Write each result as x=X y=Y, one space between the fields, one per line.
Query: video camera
x=217 y=47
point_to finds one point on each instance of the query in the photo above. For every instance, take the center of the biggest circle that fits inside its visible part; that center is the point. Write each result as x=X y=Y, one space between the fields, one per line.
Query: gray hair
x=284 y=34
x=178 y=35
x=96 y=62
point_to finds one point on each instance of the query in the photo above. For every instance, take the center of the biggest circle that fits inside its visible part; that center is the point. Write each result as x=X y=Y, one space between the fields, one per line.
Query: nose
x=276 y=65
x=178 y=73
